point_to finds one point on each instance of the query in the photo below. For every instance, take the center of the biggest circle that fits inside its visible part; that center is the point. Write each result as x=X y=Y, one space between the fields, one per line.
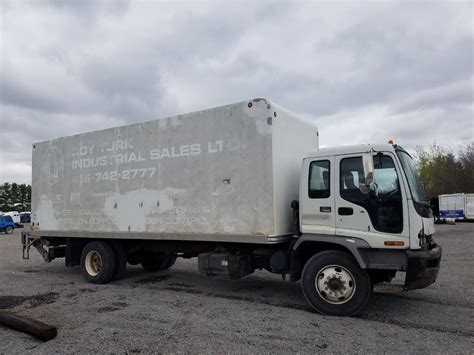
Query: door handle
x=345 y=211
x=326 y=209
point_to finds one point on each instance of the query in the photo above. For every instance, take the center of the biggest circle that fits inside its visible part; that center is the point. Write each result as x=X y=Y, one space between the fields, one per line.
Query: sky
x=365 y=72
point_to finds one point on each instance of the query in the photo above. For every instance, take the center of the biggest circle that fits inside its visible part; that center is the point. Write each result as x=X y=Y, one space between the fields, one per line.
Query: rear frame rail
x=35 y=242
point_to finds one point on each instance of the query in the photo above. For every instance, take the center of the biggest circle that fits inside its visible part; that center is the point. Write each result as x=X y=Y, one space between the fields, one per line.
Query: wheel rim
x=9 y=230
x=335 y=284
x=93 y=263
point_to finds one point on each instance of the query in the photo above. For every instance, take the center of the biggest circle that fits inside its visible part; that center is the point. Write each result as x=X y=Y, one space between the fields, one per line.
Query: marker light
x=390 y=141
x=397 y=243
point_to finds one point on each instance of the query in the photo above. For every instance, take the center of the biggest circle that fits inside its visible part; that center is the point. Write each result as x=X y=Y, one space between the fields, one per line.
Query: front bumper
x=423 y=267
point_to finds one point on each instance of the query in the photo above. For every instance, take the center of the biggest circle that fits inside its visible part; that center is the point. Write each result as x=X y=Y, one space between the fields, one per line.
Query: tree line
x=442 y=171
x=15 y=197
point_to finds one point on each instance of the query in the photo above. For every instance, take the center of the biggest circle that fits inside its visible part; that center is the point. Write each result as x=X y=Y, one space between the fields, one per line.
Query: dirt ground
x=182 y=311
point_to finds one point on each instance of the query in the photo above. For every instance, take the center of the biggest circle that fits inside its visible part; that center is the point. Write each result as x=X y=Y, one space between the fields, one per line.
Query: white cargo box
x=452 y=206
x=469 y=210
x=228 y=173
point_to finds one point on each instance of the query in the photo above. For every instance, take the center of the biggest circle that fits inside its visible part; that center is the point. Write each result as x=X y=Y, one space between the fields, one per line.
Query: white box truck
x=241 y=187
x=458 y=206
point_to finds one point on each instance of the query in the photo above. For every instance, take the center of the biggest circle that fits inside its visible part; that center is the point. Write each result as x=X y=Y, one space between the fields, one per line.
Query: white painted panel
x=293 y=138
x=204 y=172
x=469 y=211
x=452 y=205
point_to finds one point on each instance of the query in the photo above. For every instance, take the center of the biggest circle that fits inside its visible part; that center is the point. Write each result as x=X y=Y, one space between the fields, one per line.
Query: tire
x=98 y=262
x=121 y=259
x=134 y=259
x=158 y=263
x=9 y=230
x=171 y=261
x=334 y=284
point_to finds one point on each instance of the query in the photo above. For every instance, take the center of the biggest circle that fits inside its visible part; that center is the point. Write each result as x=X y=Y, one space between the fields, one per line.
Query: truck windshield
x=416 y=188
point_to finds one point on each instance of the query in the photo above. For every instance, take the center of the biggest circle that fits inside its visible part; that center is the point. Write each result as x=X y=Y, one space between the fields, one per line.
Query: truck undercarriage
x=237 y=260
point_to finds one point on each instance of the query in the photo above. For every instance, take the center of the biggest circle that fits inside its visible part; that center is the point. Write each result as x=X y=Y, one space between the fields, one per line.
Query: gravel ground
x=182 y=311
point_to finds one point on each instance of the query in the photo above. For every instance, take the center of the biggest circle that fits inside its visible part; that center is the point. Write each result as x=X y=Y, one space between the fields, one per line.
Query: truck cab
x=365 y=201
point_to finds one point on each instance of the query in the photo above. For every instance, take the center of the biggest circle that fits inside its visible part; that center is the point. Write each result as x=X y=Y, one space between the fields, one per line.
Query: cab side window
x=385 y=175
x=385 y=210
x=319 y=179
x=351 y=169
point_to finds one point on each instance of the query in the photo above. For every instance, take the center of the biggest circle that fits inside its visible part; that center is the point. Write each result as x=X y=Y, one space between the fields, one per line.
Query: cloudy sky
x=365 y=72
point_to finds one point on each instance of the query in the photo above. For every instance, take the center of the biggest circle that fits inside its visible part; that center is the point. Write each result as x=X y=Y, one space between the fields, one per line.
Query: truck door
x=317 y=196
x=372 y=216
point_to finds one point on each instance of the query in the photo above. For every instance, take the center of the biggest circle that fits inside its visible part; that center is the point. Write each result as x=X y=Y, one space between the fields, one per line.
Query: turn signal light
x=394 y=244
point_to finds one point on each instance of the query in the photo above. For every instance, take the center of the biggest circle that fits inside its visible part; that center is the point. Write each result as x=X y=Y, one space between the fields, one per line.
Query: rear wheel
x=171 y=261
x=157 y=263
x=9 y=230
x=334 y=284
x=98 y=262
x=121 y=259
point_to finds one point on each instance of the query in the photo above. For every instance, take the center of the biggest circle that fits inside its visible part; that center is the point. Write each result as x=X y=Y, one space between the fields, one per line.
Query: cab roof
x=350 y=149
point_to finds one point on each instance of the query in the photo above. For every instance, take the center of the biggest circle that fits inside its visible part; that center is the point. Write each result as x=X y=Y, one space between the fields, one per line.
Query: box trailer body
x=469 y=206
x=241 y=187
x=228 y=173
x=452 y=206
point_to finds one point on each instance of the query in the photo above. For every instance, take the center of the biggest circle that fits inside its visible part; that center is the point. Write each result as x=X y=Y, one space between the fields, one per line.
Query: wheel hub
x=335 y=284
x=93 y=263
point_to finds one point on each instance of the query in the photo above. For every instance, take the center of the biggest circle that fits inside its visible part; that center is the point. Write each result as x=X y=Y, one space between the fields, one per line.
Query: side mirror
x=367 y=182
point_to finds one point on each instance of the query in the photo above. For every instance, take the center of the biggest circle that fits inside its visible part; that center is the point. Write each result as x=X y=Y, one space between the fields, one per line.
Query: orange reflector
x=394 y=244
x=390 y=141
x=249 y=104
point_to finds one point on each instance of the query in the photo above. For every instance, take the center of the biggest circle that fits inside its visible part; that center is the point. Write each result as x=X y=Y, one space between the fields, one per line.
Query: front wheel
x=334 y=284
x=9 y=230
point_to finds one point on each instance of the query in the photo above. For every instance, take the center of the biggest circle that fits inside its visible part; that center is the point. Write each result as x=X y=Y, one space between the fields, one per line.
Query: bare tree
x=443 y=172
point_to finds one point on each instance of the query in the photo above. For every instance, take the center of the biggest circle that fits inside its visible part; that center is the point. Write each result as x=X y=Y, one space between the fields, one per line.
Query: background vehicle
x=15 y=216
x=25 y=217
x=6 y=224
x=469 y=214
x=458 y=206
x=241 y=187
